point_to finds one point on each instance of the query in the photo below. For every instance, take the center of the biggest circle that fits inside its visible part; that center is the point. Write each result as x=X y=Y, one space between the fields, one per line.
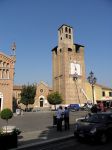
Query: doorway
x=41 y=102
x=0 y=103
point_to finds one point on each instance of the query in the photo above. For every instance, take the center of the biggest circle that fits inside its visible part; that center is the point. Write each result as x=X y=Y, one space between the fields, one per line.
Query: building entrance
x=41 y=102
x=0 y=103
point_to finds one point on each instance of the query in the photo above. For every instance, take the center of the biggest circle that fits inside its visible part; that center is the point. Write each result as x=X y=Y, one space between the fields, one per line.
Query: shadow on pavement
x=50 y=133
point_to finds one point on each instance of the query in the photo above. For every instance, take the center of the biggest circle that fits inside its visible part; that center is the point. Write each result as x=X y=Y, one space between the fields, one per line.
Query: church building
x=7 y=64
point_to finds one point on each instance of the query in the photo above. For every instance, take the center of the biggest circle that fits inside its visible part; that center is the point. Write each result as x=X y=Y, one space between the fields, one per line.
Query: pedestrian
x=66 y=119
x=59 y=115
x=54 y=119
x=94 y=109
x=101 y=106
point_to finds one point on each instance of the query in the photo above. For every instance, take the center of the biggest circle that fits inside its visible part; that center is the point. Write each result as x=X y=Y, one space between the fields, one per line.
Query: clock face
x=75 y=69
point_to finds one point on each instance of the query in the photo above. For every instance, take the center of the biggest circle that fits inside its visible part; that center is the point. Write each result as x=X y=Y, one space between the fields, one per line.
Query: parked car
x=95 y=127
x=74 y=107
x=86 y=107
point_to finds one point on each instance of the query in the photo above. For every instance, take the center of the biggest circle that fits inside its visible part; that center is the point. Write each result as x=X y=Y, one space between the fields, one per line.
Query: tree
x=54 y=98
x=6 y=114
x=14 y=104
x=28 y=95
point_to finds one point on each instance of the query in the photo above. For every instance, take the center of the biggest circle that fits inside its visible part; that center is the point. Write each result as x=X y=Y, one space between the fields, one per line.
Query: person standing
x=59 y=115
x=66 y=119
x=101 y=106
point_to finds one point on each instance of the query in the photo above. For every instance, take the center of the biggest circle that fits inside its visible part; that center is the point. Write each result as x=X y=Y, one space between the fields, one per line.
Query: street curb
x=24 y=147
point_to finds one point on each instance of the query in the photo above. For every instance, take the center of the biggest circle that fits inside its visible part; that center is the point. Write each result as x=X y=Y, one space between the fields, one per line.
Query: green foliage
x=28 y=94
x=14 y=104
x=17 y=131
x=14 y=131
x=6 y=114
x=54 y=98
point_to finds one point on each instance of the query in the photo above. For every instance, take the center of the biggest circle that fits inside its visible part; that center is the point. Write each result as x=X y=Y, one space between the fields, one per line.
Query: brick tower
x=68 y=70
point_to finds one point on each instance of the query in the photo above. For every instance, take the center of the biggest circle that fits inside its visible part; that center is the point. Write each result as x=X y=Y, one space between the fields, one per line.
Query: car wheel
x=103 y=138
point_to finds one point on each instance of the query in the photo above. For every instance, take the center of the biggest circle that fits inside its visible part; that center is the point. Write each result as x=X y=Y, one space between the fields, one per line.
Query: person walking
x=59 y=115
x=66 y=119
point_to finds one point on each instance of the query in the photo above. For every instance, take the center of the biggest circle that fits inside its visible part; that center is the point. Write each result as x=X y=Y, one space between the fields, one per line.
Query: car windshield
x=98 y=118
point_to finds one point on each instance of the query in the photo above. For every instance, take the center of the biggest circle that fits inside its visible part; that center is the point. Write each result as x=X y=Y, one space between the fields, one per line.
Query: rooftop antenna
x=13 y=47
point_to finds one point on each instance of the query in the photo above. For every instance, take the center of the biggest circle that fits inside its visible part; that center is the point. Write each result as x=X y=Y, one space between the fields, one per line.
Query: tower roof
x=64 y=25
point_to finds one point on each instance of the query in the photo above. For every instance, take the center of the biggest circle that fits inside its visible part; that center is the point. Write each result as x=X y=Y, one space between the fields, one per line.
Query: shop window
x=110 y=94
x=103 y=93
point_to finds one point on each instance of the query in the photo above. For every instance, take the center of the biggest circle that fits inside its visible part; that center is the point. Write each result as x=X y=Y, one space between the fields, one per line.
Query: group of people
x=62 y=115
x=98 y=108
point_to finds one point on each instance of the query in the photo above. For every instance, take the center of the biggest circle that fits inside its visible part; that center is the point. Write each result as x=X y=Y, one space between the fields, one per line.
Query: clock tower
x=69 y=67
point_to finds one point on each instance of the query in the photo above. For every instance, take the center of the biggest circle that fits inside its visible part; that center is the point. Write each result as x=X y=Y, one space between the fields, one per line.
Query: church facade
x=6 y=80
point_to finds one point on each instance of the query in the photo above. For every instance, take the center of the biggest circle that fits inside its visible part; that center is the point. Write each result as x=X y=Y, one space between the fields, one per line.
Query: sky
x=33 y=25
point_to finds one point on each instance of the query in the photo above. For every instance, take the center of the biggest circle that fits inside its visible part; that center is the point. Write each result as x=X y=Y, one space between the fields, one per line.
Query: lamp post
x=75 y=78
x=92 y=80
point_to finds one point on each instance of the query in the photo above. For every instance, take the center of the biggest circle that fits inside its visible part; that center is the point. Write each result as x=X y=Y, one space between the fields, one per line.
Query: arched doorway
x=1 y=101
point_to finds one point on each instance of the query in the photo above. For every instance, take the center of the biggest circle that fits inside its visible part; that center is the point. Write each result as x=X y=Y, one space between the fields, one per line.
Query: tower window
x=60 y=50
x=61 y=38
x=77 y=48
x=62 y=30
x=66 y=29
x=66 y=35
x=69 y=30
x=69 y=36
x=69 y=49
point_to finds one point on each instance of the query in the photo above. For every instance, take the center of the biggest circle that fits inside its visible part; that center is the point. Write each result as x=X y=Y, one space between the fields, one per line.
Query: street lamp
x=92 y=80
x=75 y=78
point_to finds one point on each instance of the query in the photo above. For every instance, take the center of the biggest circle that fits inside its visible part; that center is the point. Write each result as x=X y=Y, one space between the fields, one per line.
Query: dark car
x=74 y=107
x=95 y=127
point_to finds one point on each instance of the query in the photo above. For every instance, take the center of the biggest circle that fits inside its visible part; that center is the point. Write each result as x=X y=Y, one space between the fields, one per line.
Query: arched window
x=4 y=64
x=62 y=30
x=1 y=63
x=66 y=29
x=69 y=36
x=7 y=65
x=69 y=30
x=66 y=35
x=7 y=74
